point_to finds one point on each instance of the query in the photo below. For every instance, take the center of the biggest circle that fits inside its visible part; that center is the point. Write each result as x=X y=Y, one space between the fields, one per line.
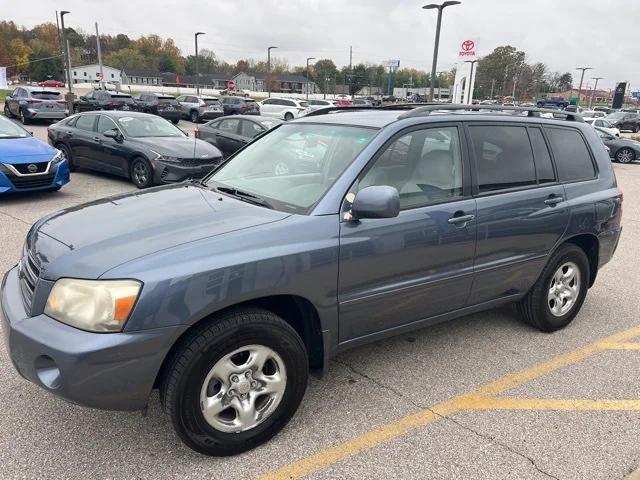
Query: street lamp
x=440 y=7
x=67 y=60
x=439 y=86
x=581 y=79
x=594 y=89
x=269 y=70
x=197 y=67
x=310 y=58
x=471 y=80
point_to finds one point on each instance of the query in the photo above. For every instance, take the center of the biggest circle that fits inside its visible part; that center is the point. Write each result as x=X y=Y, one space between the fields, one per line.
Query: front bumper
x=113 y=371
x=173 y=172
x=9 y=183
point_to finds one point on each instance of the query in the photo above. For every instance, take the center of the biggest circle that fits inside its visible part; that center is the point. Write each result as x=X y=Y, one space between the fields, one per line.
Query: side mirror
x=378 y=201
x=113 y=133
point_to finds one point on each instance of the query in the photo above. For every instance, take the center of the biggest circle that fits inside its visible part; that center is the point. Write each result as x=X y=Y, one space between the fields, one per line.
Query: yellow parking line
x=392 y=430
x=502 y=403
x=621 y=346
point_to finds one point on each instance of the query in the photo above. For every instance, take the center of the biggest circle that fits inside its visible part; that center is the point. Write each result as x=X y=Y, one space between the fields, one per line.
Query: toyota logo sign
x=32 y=168
x=467 y=49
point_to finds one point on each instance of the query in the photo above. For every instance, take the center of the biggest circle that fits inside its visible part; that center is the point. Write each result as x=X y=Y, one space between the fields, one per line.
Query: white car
x=591 y=114
x=318 y=104
x=603 y=124
x=284 y=108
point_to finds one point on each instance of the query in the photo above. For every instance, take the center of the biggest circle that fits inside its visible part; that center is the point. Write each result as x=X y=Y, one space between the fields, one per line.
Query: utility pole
x=269 y=70
x=439 y=76
x=65 y=43
x=515 y=82
x=436 y=45
x=493 y=83
x=308 y=83
x=197 y=66
x=594 y=89
x=581 y=79
x=99 y=56
x=350 y=58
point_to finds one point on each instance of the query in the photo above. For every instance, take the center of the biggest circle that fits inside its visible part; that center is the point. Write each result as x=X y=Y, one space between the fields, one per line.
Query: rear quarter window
x=571 y=154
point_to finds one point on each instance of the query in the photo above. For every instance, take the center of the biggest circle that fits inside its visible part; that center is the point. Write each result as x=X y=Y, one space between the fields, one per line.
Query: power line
x=34 y=61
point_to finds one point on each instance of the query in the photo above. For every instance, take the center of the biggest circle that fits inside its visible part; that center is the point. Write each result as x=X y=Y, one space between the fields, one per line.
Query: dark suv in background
x=104 y=100
x=31 y=103
x=239 y=106
x=624 y=121
x=163 y=105
x=225 y=292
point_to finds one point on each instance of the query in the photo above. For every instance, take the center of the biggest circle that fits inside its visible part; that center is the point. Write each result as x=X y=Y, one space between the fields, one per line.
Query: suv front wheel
x=557 y=296
x=235 y=382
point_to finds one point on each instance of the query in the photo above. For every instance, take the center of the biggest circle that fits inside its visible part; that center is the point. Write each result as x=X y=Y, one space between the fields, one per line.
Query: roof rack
x=531 y=112
x=348 y=108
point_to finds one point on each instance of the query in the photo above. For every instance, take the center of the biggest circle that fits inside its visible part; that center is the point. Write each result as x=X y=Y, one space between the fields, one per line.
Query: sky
x=564 y=34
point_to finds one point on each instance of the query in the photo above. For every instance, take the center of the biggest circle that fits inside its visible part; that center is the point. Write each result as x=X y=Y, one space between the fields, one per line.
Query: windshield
x=8 y=129
x=293 y=166
x=148 y=127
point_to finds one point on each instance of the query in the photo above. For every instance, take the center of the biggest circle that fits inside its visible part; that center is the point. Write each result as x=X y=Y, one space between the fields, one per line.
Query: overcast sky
x=564 y=34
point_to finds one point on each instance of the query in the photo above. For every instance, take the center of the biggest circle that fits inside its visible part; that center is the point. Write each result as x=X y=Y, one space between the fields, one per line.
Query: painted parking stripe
x=479 y=399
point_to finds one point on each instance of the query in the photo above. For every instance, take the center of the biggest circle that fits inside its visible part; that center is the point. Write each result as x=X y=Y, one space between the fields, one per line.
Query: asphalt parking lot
x=481 y=397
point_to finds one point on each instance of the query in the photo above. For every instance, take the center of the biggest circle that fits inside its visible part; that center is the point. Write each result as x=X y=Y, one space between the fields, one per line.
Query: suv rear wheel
x=24 y=119
x=288 y=116
x=557 y=296
x=235 y=382
x=7 y=112
x=625 y=155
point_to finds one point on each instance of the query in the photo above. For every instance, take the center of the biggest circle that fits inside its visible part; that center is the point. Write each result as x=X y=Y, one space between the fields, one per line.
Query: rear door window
x=504 y=158
x=229 y=125
x=85 y=122
x=544 y=167
x=571 y=154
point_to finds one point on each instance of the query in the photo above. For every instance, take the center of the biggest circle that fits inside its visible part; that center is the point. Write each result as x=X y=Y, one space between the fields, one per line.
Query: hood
x=25 y=150
x=98 y=236
x=180 y=147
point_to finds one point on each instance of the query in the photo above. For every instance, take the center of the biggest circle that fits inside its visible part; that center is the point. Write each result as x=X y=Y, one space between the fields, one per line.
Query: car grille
x=31 y=181
x=198 y=162
x=29 y=274
x=23 y=167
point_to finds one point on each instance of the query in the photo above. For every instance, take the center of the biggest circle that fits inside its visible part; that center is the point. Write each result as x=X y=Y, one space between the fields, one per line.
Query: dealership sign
x=468 y=49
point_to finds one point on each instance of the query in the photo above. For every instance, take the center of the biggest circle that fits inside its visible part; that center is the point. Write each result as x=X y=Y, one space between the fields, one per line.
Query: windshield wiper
x=246 y=196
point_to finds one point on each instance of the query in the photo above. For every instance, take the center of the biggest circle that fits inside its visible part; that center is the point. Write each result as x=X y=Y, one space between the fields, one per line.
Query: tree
x=19 y=54
x=125 y=58
x=565 y=82
x=42 y=67
x=500 y=66
x=324 y=71
x=121 y=41
x=166 y=64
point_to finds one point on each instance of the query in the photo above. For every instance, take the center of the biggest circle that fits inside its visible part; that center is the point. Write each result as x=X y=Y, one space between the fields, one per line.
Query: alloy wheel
x=625 y=155
x=141 y=173
x=243 y=389
x=564 y=289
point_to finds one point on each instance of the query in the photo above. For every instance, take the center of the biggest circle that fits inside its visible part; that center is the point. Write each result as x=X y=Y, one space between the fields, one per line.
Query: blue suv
x=27 y=163
x=225 y=292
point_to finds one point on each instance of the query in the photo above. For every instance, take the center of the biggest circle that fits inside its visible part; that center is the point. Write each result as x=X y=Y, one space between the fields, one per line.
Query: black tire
x=175 y=121
x=535 y=306
x=141 y=173
x=23 y=119
x=636 y=128
x=7 y=112
x=54 y=189
x=625 y=155
x=288 y=116
x=196 y=355
x=194 y=116
x=67 y=153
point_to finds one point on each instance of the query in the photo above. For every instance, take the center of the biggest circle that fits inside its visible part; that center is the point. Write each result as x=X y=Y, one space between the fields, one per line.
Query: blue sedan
x=27 y=163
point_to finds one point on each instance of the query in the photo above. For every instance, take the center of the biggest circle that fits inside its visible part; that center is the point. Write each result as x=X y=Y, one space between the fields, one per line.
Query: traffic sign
x=231 y=85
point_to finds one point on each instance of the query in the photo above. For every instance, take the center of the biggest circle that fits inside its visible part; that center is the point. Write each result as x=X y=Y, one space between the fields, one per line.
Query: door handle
x=552 y=201
x=97 y=139
x=459 y=218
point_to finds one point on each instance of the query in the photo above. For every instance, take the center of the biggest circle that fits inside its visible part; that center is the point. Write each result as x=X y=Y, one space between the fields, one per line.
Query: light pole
x=594 y=89
x=269 y=70
x=438 y=74
x=581 y=79
x=197 y=67
x=310 y=58
x=67 y=60
x=440 y=8
x=469 y=91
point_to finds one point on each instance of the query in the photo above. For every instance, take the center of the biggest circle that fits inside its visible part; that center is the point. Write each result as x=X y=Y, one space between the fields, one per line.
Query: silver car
x=197 y=108
x=30 y=103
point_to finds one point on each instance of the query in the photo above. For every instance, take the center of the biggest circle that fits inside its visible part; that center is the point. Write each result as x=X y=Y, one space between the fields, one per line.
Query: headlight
x=94 y=305
x=58 y=157
x=165 y=158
